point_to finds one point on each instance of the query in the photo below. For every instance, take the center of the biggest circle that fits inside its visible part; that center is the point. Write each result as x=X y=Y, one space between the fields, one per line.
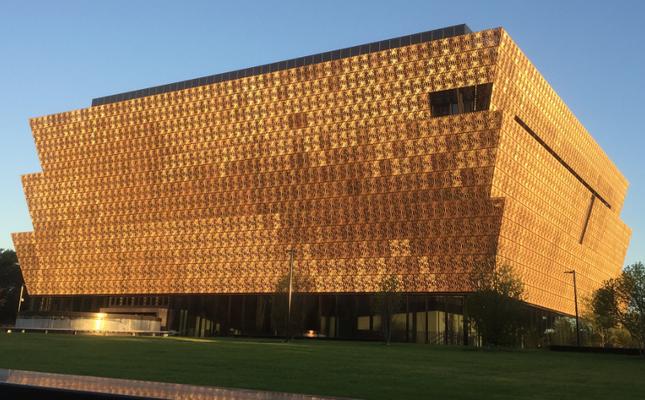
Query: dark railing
x=600 y=350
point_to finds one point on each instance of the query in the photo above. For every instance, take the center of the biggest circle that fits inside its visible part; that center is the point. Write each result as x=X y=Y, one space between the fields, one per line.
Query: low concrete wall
x=89 y=322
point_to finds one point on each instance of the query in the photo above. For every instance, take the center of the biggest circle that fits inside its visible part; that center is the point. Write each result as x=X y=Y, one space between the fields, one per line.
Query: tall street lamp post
x=575 y=298
x=20 y=299
x=292 y=253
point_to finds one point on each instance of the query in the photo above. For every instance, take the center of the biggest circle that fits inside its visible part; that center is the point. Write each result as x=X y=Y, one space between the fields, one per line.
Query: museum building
x=420 y=158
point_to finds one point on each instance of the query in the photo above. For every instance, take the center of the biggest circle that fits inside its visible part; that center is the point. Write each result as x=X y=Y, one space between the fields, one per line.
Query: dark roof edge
x=428 y=36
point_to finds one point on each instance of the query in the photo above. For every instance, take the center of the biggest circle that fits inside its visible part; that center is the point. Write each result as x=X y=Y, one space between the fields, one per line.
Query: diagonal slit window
x=586 y=224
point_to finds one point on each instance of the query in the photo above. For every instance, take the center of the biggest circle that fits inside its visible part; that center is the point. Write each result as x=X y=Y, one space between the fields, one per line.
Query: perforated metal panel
x=203 y=190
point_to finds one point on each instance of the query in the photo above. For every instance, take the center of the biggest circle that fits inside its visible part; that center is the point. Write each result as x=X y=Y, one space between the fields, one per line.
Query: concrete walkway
x=134 y=388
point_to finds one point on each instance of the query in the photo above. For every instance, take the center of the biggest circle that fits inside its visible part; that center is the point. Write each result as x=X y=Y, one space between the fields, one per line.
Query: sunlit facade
x=418 y=157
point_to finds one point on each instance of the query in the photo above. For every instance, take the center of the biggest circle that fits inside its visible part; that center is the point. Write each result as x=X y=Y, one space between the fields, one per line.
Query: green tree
x=564 y=331
x=496 y=306
x=280 y=304
x=602 y=307
x=10 y=283
x=621 y=302
x=387 y=303
x=630 y=293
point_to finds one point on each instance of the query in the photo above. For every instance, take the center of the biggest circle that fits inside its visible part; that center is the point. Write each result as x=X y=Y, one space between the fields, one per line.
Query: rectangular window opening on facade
x=461 y=100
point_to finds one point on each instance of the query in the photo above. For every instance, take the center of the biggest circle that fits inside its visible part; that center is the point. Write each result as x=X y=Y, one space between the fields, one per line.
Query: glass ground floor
x=422 y=318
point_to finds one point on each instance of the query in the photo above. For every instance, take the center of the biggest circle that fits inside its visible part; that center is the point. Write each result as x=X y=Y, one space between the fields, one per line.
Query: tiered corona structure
x=419 y=157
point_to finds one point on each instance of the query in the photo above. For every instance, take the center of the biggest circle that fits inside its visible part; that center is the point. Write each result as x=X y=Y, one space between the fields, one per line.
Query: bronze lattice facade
x=419 y=157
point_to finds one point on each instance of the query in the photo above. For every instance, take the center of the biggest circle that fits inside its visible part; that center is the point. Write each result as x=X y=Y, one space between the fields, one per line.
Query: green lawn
x=352 y=369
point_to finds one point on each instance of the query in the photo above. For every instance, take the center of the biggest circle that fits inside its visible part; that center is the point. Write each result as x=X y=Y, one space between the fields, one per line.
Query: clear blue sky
x=57 y=55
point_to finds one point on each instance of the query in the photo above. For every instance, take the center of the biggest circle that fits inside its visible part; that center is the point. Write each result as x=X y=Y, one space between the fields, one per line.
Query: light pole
x=20 y=299
x=575 y=298
x=292 y=253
